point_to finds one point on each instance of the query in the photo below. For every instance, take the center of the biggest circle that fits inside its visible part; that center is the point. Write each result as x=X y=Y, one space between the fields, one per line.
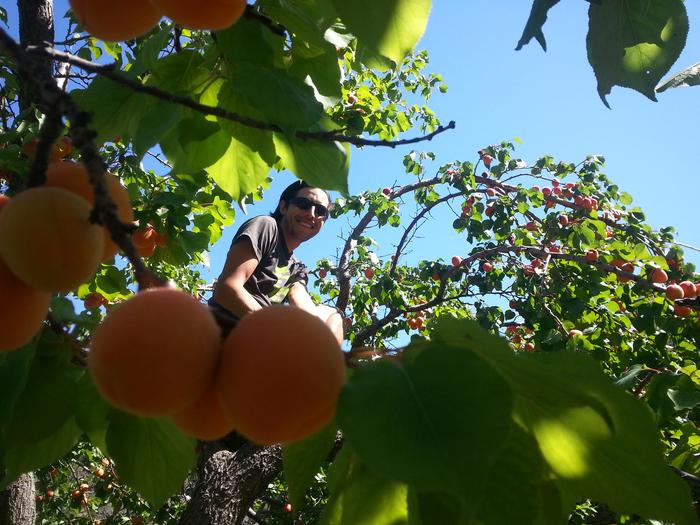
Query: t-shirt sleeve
x=299 y=273
x=261 y=232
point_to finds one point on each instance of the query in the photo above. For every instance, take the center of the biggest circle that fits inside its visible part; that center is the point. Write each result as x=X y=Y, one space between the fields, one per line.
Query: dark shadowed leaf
x=599 y=441
x=281 y=99
x=23 y=457
x=447 y=410
x=321 y=163
x=151 y=455
x=303 y=459
x=633 y=44
x=533 y=27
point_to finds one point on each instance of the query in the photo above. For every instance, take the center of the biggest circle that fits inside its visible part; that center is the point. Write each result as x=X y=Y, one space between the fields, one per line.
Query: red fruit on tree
x=659 y=276
x=369 y=273
x=322 y=273
x=578 y=201
x=575 y=333
x=546 y=192
x=681 y=311
x=531 y=226
x=592 y=255
x=489 y=211
x=674 y=292
x=490 y=192
x=563 y=219
x=386 y=191
x=487 y=267
x=487 y=160
x=288 y=507
x=689 y=291
x=456 y=260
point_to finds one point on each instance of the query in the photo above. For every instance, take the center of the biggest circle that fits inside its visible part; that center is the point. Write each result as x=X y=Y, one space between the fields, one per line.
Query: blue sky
x=548 y=100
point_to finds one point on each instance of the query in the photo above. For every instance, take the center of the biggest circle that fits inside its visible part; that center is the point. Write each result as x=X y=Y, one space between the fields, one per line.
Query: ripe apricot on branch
x=106 y=21
x=280 y=374
x=22 y=310
x=73 y=177
x=205 y=418
x=154 y=354
x=217 y=14
x=47 y=240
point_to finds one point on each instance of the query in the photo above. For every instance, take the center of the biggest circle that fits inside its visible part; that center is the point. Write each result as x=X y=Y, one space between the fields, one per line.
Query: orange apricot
x=48 y=241
x=278 y=387
x=156 y=353
x=108 y=21
x=204 y=419
x=62 y=148
x=22 y=310
x=73 y=177
x=218 y=14
x=145 y=241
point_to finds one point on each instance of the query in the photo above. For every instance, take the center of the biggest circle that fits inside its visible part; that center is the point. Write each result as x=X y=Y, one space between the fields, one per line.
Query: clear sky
x=548 y=100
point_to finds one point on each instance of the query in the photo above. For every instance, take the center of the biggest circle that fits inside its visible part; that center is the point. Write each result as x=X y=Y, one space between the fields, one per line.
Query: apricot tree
x=544 y=371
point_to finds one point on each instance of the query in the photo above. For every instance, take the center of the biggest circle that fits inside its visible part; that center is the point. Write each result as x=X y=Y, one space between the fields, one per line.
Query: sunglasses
x=304 y=204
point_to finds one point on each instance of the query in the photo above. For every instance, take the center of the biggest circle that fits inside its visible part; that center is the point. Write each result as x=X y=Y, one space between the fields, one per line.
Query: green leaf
x=512 y=489
x=47 y=400
x=303 y=459
x=320 y=163
x=634 y=43
x=195 y=144
x=14 y=370
x=91 y=412
x=250 y=41
x=183 y=73
x=533 y=27
x=239 y=171
x=306 y=19
x=152 y=455
x=257 y=140
x=426 y=410
x=600 y=442
x=322 y=72
x=371 y=499
x=390 y=27
x=688 y=77
x=116 y=110
x=280 y=98
x=24 y=457
x=157 y=122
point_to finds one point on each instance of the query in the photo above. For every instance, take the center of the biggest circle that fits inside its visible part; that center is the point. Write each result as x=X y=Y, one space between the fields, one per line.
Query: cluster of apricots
x=133 y=18
x=160 y=353
x=48 y=243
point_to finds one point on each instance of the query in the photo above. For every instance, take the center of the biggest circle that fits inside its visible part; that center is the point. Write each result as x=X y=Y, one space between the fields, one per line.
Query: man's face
x=301 y=224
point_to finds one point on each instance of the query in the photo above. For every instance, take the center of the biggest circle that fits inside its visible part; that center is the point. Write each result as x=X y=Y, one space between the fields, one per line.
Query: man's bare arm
x=239 y=266
x=299 y=296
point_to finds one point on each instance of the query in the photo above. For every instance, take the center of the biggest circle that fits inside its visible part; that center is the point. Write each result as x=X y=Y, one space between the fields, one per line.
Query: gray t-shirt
x=277 y=268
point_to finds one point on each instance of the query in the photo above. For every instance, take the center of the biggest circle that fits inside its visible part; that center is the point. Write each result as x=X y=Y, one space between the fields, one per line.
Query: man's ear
x=282 y=207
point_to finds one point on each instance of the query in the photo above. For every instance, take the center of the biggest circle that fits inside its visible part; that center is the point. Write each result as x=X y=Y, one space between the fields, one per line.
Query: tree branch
x=111 y=72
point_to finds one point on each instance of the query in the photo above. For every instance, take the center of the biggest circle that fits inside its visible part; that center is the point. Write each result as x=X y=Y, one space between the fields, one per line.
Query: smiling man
x=260 y=267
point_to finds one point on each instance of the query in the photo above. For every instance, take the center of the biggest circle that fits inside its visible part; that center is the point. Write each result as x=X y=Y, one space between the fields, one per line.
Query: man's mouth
x=307 y=224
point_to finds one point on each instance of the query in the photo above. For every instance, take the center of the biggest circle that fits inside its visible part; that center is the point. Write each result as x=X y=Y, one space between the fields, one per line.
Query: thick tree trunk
x=229 y=483
x=17 y=502
x=36 y=27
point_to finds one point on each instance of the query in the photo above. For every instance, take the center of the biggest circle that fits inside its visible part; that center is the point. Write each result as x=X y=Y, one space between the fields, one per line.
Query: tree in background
x=498 y=411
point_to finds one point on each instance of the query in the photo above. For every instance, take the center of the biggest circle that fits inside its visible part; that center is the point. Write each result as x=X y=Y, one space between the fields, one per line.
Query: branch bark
x=17 y=502
x=229 y=483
